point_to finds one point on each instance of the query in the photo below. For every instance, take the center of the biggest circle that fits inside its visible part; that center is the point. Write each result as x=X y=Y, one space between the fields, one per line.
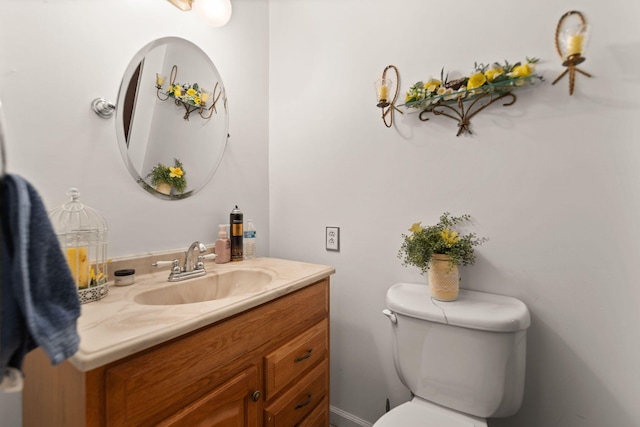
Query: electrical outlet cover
x=332 y=239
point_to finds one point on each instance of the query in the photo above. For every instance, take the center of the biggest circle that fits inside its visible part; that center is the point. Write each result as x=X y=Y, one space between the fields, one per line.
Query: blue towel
x=38 y=298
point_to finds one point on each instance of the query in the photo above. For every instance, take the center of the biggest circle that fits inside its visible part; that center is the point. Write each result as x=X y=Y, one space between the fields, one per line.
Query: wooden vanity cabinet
x=268 y=366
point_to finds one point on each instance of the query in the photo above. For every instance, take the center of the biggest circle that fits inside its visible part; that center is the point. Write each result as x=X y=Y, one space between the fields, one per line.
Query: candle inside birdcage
x=82 y=233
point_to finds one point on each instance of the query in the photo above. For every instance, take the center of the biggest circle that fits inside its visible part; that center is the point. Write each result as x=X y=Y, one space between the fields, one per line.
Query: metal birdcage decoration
x=82 y=233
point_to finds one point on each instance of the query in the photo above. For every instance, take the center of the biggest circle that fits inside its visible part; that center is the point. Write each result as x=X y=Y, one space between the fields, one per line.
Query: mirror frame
x=211 y=147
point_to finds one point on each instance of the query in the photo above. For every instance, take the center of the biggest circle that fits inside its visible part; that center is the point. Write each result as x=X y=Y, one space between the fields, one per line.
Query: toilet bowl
x=463 y=361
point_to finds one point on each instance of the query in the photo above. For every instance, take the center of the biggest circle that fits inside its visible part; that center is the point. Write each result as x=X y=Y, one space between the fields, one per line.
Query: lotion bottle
x=223 y=245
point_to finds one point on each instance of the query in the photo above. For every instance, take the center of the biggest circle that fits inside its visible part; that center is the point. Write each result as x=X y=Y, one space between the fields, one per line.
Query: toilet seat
x=421 y=413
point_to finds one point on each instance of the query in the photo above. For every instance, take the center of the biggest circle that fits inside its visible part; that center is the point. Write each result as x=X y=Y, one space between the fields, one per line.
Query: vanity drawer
x=300 y=399
x=319 y=417
x=291 y=360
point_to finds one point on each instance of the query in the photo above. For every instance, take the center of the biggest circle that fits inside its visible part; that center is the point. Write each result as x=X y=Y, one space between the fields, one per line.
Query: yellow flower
x=449 y=237
x=521 y=71
x=416 y=227
x=177 y=92
x=492 y=73
x=197 y=100
x=432 y=85
x=175 y=172
x=191 y=92
x=476 y=80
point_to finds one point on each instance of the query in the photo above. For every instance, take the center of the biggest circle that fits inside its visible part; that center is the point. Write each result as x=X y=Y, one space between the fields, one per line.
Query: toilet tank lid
x=472 y=309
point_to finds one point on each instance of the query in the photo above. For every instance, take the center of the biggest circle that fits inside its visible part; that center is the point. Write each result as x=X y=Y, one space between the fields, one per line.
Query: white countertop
x=117 y=326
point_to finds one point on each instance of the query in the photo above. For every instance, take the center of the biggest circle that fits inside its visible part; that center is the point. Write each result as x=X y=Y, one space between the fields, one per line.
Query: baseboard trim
x=342 y=418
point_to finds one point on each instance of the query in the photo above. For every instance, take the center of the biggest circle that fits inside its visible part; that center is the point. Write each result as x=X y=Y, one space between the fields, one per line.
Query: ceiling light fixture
x=214 y=12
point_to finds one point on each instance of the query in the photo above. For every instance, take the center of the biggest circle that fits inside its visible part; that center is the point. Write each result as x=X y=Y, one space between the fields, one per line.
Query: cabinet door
x=230 y=405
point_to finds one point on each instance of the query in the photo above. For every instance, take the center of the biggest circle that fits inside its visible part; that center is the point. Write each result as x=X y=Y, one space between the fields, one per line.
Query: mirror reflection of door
x=152 y=128
x=129 y=101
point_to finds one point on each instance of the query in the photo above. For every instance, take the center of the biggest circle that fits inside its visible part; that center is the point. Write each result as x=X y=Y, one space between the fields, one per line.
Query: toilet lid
x=426 y=414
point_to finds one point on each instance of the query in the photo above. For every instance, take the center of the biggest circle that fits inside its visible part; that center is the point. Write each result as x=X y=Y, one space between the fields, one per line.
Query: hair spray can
x=236 y=221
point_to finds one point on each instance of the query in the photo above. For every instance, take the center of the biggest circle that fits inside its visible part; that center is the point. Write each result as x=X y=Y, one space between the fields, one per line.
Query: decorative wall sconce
x=461 y=99
x=214 y=12
x=571 y=41
x=384 y=87
x=191 y=97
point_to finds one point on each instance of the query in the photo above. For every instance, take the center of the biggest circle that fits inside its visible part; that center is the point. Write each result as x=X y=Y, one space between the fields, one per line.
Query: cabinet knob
x=255 y=396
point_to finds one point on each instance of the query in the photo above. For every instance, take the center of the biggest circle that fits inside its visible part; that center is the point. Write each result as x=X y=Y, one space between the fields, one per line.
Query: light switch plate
x=332 y=238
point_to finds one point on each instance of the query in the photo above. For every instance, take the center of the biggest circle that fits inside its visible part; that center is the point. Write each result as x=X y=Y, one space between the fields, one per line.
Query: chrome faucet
x=188 y=256
x=189 y=269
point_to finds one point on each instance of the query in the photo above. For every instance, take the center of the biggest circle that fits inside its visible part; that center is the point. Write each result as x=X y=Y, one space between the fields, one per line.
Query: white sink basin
x=213 y=286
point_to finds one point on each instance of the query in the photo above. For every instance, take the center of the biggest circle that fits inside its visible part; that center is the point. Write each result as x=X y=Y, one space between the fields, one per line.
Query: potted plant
x=438 y=250
x=164 y=178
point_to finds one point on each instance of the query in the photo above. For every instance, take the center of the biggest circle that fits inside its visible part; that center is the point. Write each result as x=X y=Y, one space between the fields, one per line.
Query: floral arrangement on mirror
x=486 y=79
x=189 y=94
x=164 y=178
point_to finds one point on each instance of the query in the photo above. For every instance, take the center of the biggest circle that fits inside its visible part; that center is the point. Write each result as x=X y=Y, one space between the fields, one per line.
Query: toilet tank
x=468 y=354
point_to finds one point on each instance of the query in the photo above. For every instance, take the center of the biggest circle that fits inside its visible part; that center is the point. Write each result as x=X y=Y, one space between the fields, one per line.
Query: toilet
x=463 y=361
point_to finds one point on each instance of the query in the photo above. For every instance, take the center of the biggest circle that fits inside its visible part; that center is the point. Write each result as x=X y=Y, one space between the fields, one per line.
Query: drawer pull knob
x=304 y=356
x=305 y=403
x=255 y=396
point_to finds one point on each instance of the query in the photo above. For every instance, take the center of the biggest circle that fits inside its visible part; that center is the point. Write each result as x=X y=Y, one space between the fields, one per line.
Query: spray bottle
x=236 y=221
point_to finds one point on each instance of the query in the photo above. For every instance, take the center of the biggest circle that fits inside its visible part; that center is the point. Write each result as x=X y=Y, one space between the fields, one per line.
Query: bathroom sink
x=213 y=286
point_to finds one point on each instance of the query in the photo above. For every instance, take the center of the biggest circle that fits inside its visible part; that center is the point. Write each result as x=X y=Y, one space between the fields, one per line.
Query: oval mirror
x=172 y=118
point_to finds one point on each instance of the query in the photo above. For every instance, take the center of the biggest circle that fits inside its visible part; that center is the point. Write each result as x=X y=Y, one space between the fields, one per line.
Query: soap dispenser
x=223 y=245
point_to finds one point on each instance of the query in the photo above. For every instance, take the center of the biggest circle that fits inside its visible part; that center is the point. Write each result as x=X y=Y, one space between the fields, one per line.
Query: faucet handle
x=201 y=258
x=175 y=264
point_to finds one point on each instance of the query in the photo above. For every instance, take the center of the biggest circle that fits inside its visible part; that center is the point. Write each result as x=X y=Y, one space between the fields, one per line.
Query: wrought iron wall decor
x=463 y=115
x=191 y=97
x=384 y=86
x=461 y=99
x=571 y=41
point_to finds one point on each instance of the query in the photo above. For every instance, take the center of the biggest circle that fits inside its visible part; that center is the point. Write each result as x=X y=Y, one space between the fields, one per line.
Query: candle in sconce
x=574 y=44
x=160 y=80
x=383 y=93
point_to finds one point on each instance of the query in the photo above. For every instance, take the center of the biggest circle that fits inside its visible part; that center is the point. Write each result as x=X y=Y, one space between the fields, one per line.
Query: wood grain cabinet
x=268 y=366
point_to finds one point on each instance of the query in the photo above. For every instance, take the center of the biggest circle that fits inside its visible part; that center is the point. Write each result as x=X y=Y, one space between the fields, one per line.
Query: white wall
x=553 y=181
x=57 y=56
